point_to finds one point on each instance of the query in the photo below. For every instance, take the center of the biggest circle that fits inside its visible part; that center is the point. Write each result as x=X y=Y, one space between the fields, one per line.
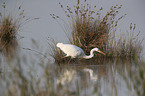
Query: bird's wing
x=79 y=51
x=72 y=50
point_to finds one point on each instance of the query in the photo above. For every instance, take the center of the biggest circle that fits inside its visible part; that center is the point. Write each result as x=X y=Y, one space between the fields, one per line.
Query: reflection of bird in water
x=70 y=76
x=67 y=77
x=75 y=51
x=92 y=76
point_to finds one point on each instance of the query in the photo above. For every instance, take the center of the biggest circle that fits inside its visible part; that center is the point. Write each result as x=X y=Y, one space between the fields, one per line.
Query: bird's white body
x=75 y=51
x=71 y=50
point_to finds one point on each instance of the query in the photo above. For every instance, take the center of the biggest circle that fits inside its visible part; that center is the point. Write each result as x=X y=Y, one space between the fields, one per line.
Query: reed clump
x=89 y=29
x=10 y=24
x=8 y=40
x=8 y=32
x=127 y=45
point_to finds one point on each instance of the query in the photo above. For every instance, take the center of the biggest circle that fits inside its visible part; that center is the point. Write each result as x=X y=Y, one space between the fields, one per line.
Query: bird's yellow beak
x=101 y=52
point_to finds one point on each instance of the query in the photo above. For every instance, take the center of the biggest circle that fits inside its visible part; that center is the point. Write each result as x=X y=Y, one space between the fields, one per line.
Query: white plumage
x=75 y=51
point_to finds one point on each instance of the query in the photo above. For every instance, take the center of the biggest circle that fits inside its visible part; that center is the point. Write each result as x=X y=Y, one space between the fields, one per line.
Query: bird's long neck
x=91 y=54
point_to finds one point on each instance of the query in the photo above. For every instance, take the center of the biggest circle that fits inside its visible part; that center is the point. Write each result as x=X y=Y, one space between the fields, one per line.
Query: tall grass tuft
x=88 y=32
x=127 y=45
x=10 y=24
x=89 y=28
x=9 y=27
x=8 y=40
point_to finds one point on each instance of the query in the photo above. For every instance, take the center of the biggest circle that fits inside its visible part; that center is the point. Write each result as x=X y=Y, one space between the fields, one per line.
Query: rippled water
x=117 y=77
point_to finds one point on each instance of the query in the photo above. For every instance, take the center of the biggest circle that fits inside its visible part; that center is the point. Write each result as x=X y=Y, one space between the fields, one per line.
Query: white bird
x=75 y=51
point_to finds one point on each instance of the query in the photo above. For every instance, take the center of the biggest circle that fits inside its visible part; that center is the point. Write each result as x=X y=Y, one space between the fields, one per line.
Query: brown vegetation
x=8 y=41
x=89 y=29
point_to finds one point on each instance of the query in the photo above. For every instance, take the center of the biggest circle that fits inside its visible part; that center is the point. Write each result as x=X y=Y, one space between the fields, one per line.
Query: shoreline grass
x=90 y=29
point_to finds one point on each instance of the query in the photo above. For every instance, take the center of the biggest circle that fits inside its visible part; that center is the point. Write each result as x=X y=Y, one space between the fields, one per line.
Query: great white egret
x=75 y=51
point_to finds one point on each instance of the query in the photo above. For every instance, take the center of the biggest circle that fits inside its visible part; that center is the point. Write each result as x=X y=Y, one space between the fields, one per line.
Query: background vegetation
x=89 y=29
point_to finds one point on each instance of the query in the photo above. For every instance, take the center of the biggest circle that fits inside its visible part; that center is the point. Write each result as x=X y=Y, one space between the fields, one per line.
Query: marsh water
x=33 y=73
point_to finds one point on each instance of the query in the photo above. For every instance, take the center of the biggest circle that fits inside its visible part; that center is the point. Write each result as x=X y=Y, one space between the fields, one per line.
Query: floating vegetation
x=90 y=29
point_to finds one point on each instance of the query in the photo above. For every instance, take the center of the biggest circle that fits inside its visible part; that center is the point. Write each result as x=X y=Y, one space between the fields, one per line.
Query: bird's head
x=59 y=44
x=98 y=50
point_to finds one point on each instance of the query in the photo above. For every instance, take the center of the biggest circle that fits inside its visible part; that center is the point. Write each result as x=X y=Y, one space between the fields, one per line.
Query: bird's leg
x=66 y=56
